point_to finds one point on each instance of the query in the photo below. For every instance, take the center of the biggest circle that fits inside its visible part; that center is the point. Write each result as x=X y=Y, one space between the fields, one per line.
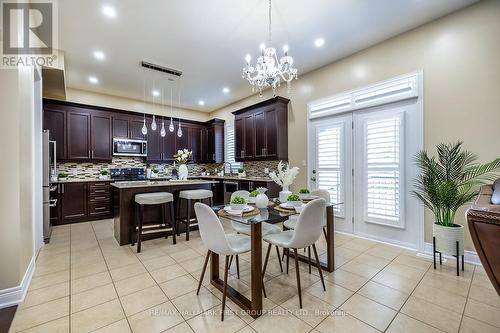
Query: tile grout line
x=70 y=283
x=467 y=298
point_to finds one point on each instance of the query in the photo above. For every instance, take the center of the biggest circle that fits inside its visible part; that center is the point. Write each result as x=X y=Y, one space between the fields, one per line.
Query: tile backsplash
x=77 y=170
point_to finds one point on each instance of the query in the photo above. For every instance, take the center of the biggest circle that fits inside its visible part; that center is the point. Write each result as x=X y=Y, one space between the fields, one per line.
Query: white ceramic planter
x=284 y=194
x=261 y=200
x=183 y=172
x=447 y=237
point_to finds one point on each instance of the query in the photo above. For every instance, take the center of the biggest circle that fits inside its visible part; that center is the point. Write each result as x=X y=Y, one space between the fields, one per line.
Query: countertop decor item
x=294 y=200
x=238 y=203
x=284 y=177
x=182 y=157
x=62 y=176
x=104 y=174
x=304 y=193
x=444 y=185
x=269 y=71
x=261 y=200
x=154 y=172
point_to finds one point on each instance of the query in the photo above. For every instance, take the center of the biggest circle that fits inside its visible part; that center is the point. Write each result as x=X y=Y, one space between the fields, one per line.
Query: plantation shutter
x=229 y=149
x=330 y=163
x=383 y=144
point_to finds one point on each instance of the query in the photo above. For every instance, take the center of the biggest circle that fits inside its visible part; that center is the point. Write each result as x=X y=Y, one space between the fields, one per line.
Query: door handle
x=313 y=179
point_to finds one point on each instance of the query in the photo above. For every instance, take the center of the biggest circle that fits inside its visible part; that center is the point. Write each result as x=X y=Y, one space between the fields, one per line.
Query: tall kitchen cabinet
x=261 y=131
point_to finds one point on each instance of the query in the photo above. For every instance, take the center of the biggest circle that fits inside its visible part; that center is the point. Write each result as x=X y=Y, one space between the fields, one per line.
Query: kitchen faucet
x=230 y=168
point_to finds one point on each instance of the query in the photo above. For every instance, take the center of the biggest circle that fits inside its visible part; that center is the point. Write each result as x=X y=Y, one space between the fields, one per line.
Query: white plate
x=251 y=199
x=247 y=209
x=287 y=206
x=310 y=197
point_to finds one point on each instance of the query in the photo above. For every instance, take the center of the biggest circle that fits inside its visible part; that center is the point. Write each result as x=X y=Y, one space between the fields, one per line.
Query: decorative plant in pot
x=182 y=157
x=284 y=177
x=242 y=173
x=447 y=183
x=154 y=172
x=103 y=174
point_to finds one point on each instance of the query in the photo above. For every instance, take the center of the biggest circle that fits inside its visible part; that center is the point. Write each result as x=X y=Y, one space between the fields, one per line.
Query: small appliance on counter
x=127 y=174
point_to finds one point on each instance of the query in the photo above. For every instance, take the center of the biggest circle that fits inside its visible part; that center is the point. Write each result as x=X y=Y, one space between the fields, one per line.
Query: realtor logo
x=29 y=32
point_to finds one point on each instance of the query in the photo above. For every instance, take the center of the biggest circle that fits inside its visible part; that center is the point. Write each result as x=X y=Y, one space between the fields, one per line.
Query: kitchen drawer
x=100 y=208
x=99 y=197
x=100 y=191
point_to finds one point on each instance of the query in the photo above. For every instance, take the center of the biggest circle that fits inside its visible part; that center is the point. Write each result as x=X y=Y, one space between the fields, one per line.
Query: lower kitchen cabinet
x=83 y=201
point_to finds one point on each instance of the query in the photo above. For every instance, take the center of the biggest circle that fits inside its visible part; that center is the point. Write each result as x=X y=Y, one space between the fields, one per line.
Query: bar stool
x=159 y=199
x=190 y=197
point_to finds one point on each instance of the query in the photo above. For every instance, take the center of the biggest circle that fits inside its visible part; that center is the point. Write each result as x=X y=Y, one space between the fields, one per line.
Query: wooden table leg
x=256 y=268
x=330 y=236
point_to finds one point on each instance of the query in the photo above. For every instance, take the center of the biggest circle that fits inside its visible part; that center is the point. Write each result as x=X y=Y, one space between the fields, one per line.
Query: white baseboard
x=15 y=295
x=471 y=257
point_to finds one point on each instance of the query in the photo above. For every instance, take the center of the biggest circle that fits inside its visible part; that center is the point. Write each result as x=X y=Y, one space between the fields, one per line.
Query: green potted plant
x=304 y=193
x=103 y=174
x=294 y=200
x=242 y=173
x=252 y=196
x=154 y=172
x=62 y=176
x=445 y=184
x=238 y=203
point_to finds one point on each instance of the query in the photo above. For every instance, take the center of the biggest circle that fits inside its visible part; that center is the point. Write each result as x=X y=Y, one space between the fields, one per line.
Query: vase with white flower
x=284 y=177
x=182 y=157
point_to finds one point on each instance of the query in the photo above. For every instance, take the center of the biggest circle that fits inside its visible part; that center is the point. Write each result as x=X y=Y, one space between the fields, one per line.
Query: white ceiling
x=208 y=39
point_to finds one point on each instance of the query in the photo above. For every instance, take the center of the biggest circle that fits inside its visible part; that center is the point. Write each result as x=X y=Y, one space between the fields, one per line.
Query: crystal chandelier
x=269 y=71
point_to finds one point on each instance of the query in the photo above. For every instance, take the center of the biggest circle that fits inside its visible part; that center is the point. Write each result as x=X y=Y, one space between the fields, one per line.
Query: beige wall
x=16 y=176
x=459 y=58
x=91 y=98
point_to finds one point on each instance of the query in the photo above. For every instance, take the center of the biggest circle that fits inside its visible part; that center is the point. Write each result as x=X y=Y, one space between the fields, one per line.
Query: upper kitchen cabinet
x=261 y=131
x=55 y=121
x=78 y=134
x=213 y=142
x=100 y=136
x=127 y=127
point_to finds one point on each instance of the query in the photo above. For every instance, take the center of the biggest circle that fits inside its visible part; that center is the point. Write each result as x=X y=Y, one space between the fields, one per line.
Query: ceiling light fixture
x=319 y=42
x=109 y=11
x=225 y=90
x=156 y=93
x=269 y=71
x=99 y=55
x=201 y=103
x=93 y=80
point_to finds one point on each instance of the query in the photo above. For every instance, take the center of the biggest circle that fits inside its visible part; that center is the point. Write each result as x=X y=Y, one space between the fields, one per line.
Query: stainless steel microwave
x=128 y=147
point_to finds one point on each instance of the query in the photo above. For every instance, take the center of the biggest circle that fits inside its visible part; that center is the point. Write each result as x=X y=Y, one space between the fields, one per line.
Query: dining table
x=274 y=213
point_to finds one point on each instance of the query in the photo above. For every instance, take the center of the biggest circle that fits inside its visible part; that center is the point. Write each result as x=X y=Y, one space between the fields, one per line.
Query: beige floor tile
x=92 y=297
x=384 y=295
x=484 y=295
x=452 y=285
x=334 y=295
x=403 y=323
x=142 y=300
x=90 y=282
x=483 y=312
x=341 y=322
x=346 y=279
x=79 y=271
x=413 y=261
x=432 y=314
x=440 y=297
x=60 y=325
x=313 y=309
x=470 y=325
x=179 y=286
x=40 y=314
x=181 y=328
x=279 y=320
x=372 y=313
x=49 y=279
x=42 y=295
x=360 y=269
x=195 y=264
x=407 y=272
x=396 y=282
x=121 y=260
x=210 y=321
x=159 y=262
x=185 y=255
x=133 y=284
x=190 y=304
x=120 y=326
x=96 y=317
x=168 y=273
x=358 y=244
x=388 y=253
x=156 y=319
x=125 y=272
x=247 y=329
x=280 y=289
x=150 y=253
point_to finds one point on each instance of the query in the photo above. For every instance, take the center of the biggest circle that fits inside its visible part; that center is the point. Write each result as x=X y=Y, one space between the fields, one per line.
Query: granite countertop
x=81 y=180
x=166 y=178
x=153 y=183
x=254 y=178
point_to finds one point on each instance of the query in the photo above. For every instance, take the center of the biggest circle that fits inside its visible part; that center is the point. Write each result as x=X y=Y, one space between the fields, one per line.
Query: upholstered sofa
x=483 y=219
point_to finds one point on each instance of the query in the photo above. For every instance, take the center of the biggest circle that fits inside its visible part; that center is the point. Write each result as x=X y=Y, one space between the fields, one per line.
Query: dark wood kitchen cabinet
x=73 y=201
x=161 y=149
x=101 y=145
x=55 y=122
x=78 y=134
x=127 y=127
x=196 y=143
x=261 y=131
x=213 y=142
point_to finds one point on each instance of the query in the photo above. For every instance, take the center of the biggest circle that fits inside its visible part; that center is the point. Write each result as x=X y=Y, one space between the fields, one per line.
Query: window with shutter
x=330 y=161
x=383 y=172
x=229 y=149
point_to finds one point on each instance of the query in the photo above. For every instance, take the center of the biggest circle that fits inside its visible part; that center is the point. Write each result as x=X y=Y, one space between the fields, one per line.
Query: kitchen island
x=124 y=204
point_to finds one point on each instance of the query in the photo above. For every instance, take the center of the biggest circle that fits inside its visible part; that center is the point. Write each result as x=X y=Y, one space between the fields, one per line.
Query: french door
x=364 y=158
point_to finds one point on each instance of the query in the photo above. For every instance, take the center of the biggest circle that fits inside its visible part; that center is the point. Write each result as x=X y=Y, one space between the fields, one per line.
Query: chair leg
x=287 y=259
x=264 y=269
x=172 y=220
x=162 y=212
x=309 y=257
x=230 y=261
x=139 y=232
x=224 y=290
x=297 y=271
x=324 y=233
x=133 y=232
x=188 y=219
x=319 y=266
x=237 y=267
x=178 y=216
x=279 y=258
x=203 y=272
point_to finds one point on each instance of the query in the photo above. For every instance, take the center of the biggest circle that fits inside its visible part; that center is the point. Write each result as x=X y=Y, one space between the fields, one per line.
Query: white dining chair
x=217 y=241
x=307 y=231
x=292 y=220
x=245 y=229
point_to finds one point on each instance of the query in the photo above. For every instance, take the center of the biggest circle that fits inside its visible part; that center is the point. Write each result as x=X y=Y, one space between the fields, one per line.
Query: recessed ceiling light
x=93 y=80
x=319 y=42
x=201 y=102
x=225 y=90
x=99 y=55
x=109 y=11
x=155 y=93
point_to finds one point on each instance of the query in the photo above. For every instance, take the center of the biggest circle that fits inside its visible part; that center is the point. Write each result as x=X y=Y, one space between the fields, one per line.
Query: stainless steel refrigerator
x=49 y=172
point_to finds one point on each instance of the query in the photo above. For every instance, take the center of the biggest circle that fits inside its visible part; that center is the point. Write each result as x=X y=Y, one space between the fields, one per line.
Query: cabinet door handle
x=92 y=154
x=89 y=153
x=100 y=191
x=100 y=208
x=213 y=157
x=262 y=151
x=62 y=188
x=242 y=153
x=99 y=198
